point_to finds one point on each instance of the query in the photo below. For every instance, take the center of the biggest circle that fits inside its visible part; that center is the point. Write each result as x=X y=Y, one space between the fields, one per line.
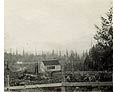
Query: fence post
x=63 y=89
x=63 y=80
x=112 y=76
x=8 y=85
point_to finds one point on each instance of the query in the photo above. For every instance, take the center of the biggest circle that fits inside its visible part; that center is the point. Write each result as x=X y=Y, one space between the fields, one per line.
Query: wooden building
x=49 y=66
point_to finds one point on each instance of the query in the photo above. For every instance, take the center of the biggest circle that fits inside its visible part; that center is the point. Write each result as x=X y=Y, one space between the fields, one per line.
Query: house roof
x=51 y=62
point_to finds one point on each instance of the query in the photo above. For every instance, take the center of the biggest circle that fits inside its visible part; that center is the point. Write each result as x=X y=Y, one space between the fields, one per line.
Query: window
x=51 y=67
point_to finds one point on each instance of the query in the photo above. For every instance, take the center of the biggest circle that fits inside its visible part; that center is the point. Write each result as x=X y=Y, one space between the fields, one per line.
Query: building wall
x=57 y=68
x=42 y=68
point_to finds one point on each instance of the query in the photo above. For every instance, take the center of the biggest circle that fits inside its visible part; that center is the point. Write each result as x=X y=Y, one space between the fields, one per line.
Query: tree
x=104 y=34
x=104 y=37
x=95 y=56
x=101 y=55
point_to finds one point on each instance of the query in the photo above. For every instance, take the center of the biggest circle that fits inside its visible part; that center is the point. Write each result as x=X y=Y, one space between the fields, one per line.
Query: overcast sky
x=52 y=24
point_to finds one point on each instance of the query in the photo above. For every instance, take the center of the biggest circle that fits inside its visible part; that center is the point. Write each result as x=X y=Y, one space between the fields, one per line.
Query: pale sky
x=52 y=24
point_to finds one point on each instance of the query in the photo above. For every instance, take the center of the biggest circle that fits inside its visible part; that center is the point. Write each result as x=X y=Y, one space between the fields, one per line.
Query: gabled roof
x=51 y=62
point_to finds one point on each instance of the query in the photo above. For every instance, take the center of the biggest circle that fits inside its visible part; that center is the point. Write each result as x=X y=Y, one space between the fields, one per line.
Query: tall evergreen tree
x=104 y=38
x=101 y=55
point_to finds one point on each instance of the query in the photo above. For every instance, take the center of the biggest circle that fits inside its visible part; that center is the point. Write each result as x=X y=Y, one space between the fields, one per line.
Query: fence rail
x=64 y=84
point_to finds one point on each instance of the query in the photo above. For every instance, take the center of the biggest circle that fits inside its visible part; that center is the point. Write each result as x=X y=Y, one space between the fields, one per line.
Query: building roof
x=51 y=62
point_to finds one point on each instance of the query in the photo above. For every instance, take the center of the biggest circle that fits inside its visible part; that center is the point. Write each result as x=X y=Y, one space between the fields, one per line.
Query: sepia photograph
x=58 y=45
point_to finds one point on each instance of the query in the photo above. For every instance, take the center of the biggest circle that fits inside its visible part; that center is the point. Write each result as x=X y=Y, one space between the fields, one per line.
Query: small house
x=49 y=66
